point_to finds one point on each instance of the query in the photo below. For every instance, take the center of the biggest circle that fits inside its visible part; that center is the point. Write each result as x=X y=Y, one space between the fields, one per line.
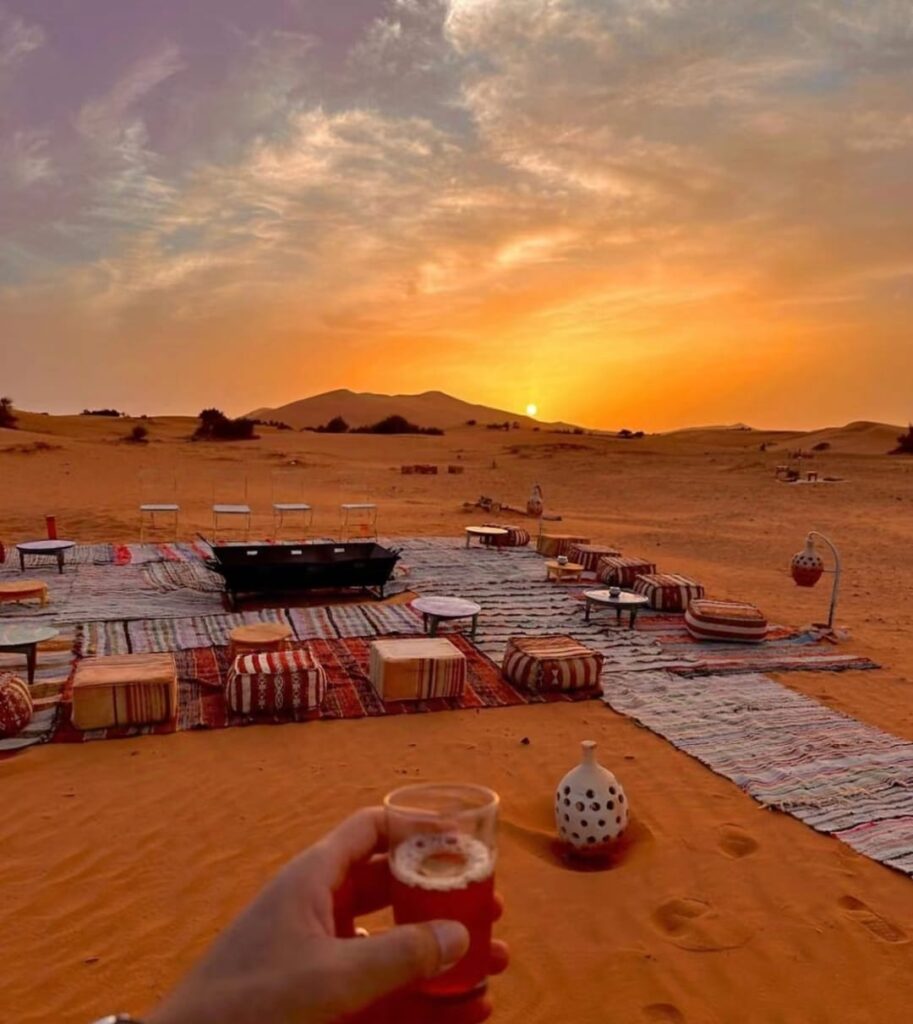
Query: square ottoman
x=621 y=571
x=588 y=555
x=554 y=544
x=417 y=669
x=275 y=682
x=668 y=591
x=729 y=621
x=124 y=689
x=556 y=662
x=516 y=537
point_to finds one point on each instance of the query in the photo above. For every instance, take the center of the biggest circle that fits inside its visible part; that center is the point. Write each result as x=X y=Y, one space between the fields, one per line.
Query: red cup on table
x=443 y=848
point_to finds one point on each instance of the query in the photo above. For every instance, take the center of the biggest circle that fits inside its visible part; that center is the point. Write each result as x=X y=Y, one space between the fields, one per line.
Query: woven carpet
x=838 y=775
x=202 y=673
x=53 y=665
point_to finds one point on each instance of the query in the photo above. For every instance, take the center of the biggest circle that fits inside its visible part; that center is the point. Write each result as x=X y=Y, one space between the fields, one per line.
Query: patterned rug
x=838 y=775
x=202 y=673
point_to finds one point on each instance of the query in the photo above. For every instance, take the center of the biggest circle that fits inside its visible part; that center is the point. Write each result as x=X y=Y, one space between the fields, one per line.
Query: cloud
x=18 y=38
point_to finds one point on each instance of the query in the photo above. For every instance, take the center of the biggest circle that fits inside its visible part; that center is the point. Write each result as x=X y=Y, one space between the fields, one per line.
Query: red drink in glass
x=447 y=877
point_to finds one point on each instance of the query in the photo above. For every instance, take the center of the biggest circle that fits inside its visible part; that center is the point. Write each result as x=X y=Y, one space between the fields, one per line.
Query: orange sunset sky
x=651 y=213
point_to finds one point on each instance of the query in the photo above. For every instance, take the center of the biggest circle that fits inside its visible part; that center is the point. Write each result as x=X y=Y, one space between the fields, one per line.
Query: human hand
x=292 y=956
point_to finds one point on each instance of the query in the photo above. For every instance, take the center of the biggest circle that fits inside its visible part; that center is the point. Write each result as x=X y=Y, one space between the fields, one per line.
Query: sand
x=123 y=859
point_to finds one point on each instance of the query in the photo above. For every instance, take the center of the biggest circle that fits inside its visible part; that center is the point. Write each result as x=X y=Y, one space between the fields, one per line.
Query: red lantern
x=807 y=567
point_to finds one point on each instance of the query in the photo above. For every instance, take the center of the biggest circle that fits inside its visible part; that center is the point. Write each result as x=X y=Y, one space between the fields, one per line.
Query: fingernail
x=453 y=942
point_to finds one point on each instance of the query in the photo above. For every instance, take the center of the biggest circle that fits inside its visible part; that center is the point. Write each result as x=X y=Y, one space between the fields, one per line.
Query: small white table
x=44 y=549
x=435 y=609
x=486 y=534
x=622 y=602
x=359 y=517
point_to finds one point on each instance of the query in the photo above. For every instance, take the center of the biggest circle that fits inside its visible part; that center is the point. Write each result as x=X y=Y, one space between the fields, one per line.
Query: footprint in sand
x=695 y=925
x=876 y=924
x=663 y=1013
x=736 y=842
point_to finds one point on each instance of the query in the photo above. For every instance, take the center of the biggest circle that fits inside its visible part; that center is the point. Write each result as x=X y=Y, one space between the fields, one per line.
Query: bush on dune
x=113 y=413
x=216 y=426
x=397 y=425
x=7 y=416
x=904 y=443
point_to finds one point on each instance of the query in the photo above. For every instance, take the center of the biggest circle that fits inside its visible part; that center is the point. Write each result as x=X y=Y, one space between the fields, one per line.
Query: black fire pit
x=267 y=569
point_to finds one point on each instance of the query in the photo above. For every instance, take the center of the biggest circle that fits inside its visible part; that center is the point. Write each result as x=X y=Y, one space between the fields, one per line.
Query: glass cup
x=443 y=847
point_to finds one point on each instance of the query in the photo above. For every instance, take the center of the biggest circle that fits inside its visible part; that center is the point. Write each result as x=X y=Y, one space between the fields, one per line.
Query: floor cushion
x=730 y=621
x=15 y=704
x=556 y=662
x=124 y=689
x=554 y=544
x=516 y=537
x=620 y=571
x=417 y=668
x=588 y=555
x=668 y=591
x=275 y=682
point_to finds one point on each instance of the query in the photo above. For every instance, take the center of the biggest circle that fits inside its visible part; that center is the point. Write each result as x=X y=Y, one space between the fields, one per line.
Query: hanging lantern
x=807 y=567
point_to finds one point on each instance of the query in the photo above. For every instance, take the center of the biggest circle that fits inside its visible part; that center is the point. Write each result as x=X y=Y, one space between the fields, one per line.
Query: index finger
x=351 y=842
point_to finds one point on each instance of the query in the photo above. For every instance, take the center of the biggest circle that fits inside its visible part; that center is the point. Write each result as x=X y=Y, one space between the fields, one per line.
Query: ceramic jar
x=807 y=566
x=591 y=809
x=535 y=505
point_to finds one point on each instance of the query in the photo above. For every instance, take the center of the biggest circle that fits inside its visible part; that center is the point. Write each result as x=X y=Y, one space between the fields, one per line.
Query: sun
x=532 y=409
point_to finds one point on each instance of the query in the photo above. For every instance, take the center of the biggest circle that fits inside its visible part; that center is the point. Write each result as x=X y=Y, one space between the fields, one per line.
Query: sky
x=651 y=213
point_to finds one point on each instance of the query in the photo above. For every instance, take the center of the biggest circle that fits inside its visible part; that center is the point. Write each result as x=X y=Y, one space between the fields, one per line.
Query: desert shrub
x=278 y=424
x=471 y=423
x=216 y=426
x=114 y=413
x=904 y=443
x=821 y=446
x=337 y=425
x=7 y=416
x=396 y=425
x=138 y=435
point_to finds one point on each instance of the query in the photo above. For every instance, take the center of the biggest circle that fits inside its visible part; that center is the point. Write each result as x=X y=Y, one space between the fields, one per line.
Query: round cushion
x=15 y=704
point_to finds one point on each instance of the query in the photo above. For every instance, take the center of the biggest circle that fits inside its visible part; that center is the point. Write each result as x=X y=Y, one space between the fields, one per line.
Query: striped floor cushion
x=15 y=704
x=731 y=621
x=124 y=689
x=621 y=571
x=588 y=555
x=558 y=662
x=551 y=545
x=417 y=669
x=668 y=591
x=516 y=537
x=273 y=682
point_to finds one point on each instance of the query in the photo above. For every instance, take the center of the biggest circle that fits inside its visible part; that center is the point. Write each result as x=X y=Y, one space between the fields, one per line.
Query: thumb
x=380 y=964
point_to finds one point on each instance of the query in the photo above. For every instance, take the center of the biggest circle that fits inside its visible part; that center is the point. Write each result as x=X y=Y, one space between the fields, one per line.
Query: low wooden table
x=623 y=602
x=25 y=640
x=558 y=571
x=44 y=549
x=437 y=609
x=13 y=591
x=486 y=534
x=258 y=636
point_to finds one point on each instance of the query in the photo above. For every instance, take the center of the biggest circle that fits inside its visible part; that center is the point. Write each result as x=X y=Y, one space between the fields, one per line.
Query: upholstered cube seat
x=588 y=555
x=124 y=689
x=417 y=668
x=729 y=621
x=551 y=545
x=275 y=683
x=668 y=591
x=556 y=662
x=517 y=536
x=622 y=571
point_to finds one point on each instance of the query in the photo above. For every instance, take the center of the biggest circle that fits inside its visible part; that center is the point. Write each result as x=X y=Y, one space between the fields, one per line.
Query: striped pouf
x=622 y=571
x=668 y=591
x=558 y=662
x=551 y=545
x=588 y=555
x=729 y=621
x=516 y=537
x=417 y=669
x=275 y=682
x=15 y=704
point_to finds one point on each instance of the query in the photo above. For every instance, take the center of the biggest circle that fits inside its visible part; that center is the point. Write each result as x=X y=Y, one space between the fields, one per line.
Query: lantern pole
x=837 y=570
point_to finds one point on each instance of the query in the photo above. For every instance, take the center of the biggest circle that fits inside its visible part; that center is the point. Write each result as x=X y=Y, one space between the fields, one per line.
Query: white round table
x=44 y=549
x=435 y=609
x=486 y=534
x=625 y=601
x=25 y=640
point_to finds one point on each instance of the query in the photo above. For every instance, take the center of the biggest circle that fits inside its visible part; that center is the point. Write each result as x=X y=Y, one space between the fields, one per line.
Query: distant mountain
x=358 y=409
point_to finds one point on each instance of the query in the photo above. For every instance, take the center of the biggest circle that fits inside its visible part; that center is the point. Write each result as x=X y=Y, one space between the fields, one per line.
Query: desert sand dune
x=124 y=858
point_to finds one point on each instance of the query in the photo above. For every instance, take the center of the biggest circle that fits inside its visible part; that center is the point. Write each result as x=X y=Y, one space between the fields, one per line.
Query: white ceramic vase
x=591 y=809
